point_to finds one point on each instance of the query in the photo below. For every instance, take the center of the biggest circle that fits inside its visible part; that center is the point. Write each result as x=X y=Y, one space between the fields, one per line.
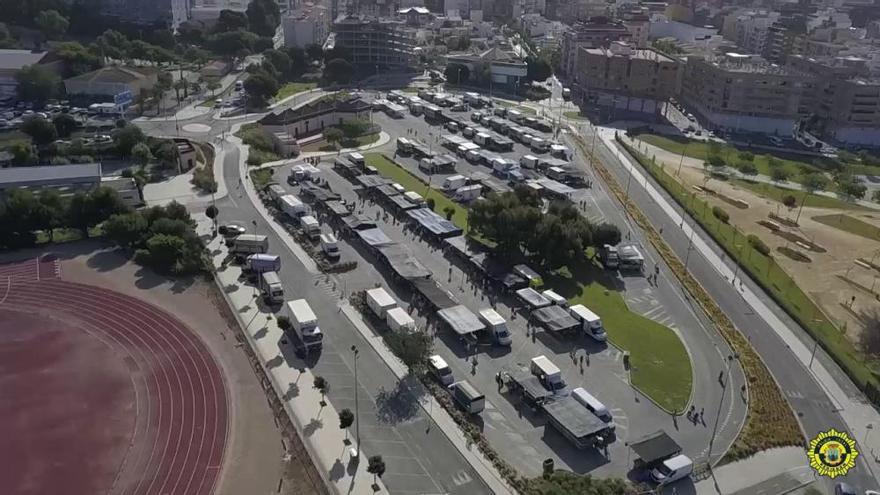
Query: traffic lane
x=442 y=465
x=805 y=395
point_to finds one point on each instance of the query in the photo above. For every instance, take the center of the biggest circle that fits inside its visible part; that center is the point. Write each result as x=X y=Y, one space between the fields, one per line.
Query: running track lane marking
x=8 y=289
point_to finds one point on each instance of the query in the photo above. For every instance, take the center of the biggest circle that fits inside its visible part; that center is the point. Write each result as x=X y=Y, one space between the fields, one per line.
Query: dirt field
x=259 y=457
x=820 y=278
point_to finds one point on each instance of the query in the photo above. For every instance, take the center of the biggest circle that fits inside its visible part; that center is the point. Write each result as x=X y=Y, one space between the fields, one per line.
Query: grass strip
x=293 y=88
x=770 y=421
x=777 y=193
x=395 y=172
x=851 y=225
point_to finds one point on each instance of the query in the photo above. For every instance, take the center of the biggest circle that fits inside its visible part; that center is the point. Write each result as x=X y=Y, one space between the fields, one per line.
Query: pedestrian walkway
x=857 y=412
x=180 y=188
x=314 y=417
x=384 y=139
x=771 y=472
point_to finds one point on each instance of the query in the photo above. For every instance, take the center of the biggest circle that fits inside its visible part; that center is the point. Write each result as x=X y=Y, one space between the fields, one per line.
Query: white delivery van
x=441 y=371
x=528 y=161
x=310 y=226
x=259 y=263
x=414 y=197
x=549 y=374
x=330 y=245
x=356 y=158
x=496 y=325
x=591 y=322
x=673 y=469
x=399 y=321
x=453 y=182
x=587 y=400
x=380 y=301
x=271 y=287
x=555 y=298
x=397 y=187
x=468 y=397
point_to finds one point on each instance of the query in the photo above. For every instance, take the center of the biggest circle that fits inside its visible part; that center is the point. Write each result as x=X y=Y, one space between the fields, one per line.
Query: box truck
x=496 y=325
x=453 y=182
x=329 y=245
x=379 y=301
x=399 y=321
x=304 y=324
x=591 y=322
x=468 y=397
x=310 y=226
x=250 y=244
x=259 y=263
x=549 y=374
x=270 y=286
x=293 y=206
x=468 y=193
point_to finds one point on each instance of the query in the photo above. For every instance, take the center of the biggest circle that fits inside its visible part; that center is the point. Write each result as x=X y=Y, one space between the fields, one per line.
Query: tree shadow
x=275 y=362
x=292 y=392
x=259 y=334
x=314 y=425
x=105 y=261
x=401 y=403
x=337 y=471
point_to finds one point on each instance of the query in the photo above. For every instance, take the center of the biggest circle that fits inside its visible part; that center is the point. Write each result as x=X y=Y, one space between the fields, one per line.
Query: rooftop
x=116 y=74
x=633 y=53
x=16 y=59
x=24 y=175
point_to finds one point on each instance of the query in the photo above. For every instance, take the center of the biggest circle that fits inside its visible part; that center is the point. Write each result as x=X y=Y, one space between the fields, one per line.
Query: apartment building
x=746 y=93
x=592 y=34
x=375 y=42
x=172 y=12
x=749 y=29
x=626 y=78
x=306 y=26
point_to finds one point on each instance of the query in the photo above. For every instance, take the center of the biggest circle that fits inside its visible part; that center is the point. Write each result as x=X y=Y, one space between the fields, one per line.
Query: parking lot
x=515 y=430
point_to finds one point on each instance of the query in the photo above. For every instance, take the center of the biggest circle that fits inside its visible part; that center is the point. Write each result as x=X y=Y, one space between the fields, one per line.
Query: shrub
x=430 y=202
x=746 y=156
x=789 y=201
x=720 y=214
x=203 y=179
x=759 y=245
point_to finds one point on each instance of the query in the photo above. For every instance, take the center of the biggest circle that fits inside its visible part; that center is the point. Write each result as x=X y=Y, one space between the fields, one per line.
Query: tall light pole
x=357 y=421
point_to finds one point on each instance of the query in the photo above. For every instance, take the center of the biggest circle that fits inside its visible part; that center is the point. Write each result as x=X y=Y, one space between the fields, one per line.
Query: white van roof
x=545 y=364
x=328 y=238
x=491 y=316
x=456 y=177
x=678 y=462
x=308 y=220
x=553 y=296
x=381 y=297
x=581 y=395
x=356 y=156
x=437 y=362
x=582 y=312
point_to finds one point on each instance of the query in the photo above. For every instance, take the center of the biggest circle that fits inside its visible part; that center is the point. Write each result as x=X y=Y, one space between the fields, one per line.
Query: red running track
x=176 y=393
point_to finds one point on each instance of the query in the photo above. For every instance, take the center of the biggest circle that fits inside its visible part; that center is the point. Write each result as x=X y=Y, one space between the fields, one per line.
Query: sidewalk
x=784 y=469
x=857 y=412
x=180 y=189
x=316 y=424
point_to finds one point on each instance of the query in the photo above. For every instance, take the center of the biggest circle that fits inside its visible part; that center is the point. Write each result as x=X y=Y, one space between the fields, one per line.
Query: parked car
x=231 y=230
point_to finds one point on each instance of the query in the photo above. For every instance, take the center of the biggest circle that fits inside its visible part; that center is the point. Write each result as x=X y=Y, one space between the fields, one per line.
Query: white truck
x=379 y=301
x=468 y=397
x=259 y=263
x=539 y=145
x=453 y=182
x=275 y=191
x=399 y=321
x=270 y=286
x=555 y=298
x=250 y=244
x=468 y=193
x=528 y=161
x=329 y=245
x=549 y=374
x=482 y=138
x=292 y=206
x=304 y=323
x=310 y=226
x=496 y=325
x=591 y=322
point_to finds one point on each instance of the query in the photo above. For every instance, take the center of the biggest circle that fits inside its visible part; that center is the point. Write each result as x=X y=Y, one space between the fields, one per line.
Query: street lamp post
x=357 y=422
x=681 y=160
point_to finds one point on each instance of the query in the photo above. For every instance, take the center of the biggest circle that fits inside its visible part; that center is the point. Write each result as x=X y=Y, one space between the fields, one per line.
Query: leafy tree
x=52 y=23
x=779 y=174
x=172 y=227
x=64 y=124
x=850 y=188
x=337 y=52
x=261 y=87
x=716 y=160
x=126 y=138
x=774 y=162
x=6 y=40
x=314 y=52
x=449 y=212
x=141 y=154
x=376 y=466
x=789 y=201
x=321 y=385
x=233 y=43
x=606 y=233
x=37 y=84
x=338 y=71
x=538 y=69
x=720 y=214
x=346 y=418
x=299 y=62
x=196 y=56
x=263 y=17
x=40 y=130
x=413 y=348
x=747 y=168
x=457 y=73
x=89 y=210
x=811 y=182
x=22 y=153
x=212 y=86
x=165 y=252
x=354 y=128
x=280 y=62
x=77 y=58
x=192 y=32
x=758 y=245
x=746 y=156
x=231 y=20
x=125 y=230
x=876 y=196
x=113 y=44
x=22 y=212
x=52 y=211
x=332 y=135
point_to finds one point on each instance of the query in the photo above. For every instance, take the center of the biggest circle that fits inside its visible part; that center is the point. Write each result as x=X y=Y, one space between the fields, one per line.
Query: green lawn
x=514 y=106
x=293 y=88
x=850 y=224
x=321 y=145
x=700 y=150
x=574 y=115
x=398 y=174
x=661 y=367
x=261 y=177
x=8 y=137
x=776 y=193
x=770 y=275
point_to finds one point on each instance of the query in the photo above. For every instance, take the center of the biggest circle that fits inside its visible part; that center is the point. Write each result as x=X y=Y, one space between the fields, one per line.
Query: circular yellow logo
x=832 y=453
